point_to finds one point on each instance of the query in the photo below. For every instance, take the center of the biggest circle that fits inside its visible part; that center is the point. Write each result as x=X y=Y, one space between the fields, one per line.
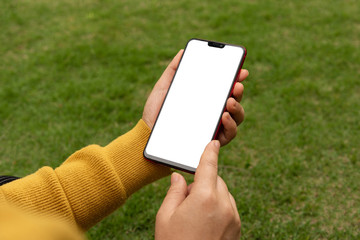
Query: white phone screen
x=194 y=104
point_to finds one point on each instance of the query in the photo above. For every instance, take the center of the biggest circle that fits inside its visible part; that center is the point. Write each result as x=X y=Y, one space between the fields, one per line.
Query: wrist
x=126 y=154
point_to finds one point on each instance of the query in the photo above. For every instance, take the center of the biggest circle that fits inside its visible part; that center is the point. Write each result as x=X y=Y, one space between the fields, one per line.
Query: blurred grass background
x=73 y=73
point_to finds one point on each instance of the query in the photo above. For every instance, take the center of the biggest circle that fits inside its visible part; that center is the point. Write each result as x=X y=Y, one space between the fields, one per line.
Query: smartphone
x=190 y=115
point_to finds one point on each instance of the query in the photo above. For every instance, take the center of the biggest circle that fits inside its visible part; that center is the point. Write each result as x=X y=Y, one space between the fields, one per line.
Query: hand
x=230 y=119
x=202 y=210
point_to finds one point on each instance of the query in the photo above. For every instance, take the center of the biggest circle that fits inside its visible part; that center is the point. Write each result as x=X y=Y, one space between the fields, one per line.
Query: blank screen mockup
x=194 y=104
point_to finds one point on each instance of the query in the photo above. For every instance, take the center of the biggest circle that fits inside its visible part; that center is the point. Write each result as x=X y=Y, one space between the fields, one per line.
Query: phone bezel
x=177 y=165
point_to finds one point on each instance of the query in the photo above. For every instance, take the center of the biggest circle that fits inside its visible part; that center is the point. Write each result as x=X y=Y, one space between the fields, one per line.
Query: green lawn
x=73 y=73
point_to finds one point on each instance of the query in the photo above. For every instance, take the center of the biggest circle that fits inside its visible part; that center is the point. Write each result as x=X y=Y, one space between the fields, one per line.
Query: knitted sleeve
x=90 y=184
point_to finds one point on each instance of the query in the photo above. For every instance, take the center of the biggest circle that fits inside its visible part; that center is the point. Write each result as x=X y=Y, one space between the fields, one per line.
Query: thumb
x=207 y=171
x=175 y=195
x=169 y=72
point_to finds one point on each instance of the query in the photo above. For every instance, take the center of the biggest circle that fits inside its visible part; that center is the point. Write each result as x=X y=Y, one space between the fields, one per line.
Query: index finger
x=207 y=171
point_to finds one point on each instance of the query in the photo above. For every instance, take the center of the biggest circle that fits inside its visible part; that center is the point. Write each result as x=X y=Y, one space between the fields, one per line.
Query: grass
x=73 y=73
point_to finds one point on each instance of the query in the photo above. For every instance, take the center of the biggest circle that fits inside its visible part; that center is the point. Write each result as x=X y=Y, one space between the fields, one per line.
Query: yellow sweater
x=88 y=186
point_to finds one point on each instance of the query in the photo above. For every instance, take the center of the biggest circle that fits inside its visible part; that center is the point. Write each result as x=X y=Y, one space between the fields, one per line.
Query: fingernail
x=228 y=116
x=216 y=143
x=175 y=178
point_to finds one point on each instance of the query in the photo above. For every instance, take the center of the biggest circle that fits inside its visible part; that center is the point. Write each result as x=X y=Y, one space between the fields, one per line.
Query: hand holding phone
x=206 y=210
x=234 y=110
x=192 y=110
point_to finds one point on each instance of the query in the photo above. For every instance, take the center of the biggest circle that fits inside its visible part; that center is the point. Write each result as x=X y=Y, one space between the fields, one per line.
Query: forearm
x=91 y=183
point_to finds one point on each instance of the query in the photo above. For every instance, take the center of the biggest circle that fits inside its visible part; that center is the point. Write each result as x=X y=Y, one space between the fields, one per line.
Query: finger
x=236 y=110
x=169 y=72
x=233 y=204
x=238 y=91
x=229 y=128
x=206 y=172
x=190 y=187
x=227 y=197
x=175 y=195
x=221 y=186
x=244 y=73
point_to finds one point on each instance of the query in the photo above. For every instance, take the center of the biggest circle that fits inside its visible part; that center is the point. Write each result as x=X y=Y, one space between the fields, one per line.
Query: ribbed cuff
x=132 y=168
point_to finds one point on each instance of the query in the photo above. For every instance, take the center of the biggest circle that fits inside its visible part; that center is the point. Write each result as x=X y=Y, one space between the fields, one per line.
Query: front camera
x=215 y=44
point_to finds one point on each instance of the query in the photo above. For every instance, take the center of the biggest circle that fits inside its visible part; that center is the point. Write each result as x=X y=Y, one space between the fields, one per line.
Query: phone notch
x=216 y=44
